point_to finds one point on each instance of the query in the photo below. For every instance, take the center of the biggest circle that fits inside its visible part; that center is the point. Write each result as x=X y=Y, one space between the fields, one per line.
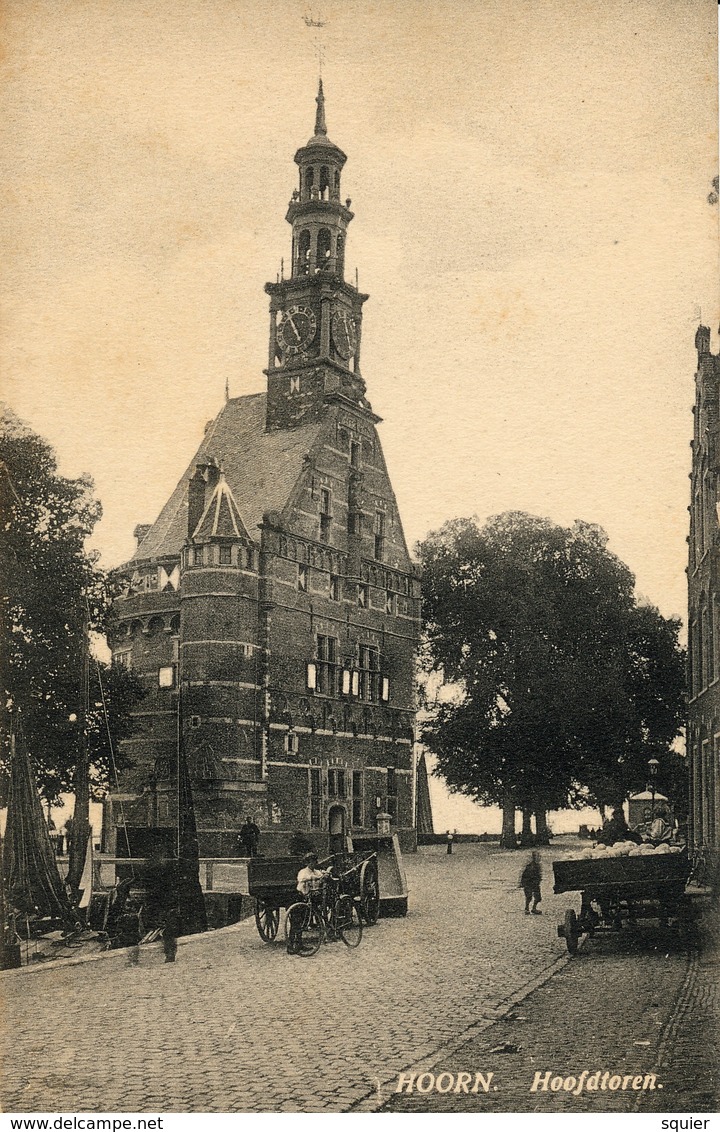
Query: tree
x=563 y=681
x=54 y=595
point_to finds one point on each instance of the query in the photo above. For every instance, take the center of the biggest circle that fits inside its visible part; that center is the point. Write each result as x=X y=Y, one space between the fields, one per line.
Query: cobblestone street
x=237 y=1025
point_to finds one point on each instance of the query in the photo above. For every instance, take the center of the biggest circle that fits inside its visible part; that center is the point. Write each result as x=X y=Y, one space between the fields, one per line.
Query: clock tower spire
x=315 y=315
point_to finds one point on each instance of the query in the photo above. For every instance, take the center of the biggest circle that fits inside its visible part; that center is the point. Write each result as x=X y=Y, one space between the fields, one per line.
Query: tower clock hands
x=297 y=329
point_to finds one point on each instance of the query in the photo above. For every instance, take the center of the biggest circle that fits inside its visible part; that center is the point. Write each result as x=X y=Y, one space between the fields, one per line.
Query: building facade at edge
x=272 y=609
x=703 y=738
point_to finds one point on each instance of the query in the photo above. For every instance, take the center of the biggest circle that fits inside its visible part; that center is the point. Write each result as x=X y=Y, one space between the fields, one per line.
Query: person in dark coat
x=161 y=902
x=249 y=837
x=530 y=883
x=617 y=829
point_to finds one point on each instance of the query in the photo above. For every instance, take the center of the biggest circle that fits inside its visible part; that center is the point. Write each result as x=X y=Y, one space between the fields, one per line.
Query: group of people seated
x=654 y=829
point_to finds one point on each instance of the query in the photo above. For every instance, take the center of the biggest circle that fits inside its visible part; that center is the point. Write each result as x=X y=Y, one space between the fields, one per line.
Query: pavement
x=236 y=1025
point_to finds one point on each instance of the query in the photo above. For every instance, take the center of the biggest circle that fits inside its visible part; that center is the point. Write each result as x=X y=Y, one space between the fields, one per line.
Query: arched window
x=337 y=184
x=303 y=265
x=340 y=253
x=324 y=182
x=309 y=180
x=323 y=248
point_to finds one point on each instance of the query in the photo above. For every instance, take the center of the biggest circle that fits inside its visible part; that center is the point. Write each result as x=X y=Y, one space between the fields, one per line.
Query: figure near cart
x=530 y=879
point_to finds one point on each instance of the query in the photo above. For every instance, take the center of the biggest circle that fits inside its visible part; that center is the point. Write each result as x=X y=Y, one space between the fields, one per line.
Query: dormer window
x=225 y=554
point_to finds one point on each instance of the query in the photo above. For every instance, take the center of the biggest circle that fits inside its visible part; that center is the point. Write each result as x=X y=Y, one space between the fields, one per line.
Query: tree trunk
x=507 y=837
x=526 y=837
x=542 y=832
x=81 y=814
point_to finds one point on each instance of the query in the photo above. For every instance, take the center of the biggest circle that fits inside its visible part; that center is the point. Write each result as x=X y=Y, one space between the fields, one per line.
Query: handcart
x=273 y=883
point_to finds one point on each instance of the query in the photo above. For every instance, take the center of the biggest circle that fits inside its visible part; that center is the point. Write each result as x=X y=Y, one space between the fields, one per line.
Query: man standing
x=249 y=837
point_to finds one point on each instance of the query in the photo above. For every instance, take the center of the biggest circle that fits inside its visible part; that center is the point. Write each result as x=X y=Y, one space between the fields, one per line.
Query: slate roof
x=260 y=467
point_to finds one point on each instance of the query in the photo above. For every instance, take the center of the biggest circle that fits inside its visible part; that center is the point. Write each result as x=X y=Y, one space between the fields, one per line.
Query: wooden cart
x=618 y=890
x=273 y=883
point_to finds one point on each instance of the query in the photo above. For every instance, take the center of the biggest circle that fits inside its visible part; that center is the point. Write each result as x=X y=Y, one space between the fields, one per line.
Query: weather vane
x=311 y=20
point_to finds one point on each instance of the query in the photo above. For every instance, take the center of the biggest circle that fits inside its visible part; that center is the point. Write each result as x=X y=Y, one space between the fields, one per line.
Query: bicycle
x=326 y=914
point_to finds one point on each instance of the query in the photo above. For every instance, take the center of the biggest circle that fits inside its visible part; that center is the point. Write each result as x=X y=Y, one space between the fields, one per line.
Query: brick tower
x=272 y=609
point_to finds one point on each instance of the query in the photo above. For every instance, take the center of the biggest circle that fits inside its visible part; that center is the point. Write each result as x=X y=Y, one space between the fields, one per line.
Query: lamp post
x=653 y=765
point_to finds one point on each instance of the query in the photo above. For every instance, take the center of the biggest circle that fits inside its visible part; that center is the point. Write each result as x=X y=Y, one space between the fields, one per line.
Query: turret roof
x=221 y=517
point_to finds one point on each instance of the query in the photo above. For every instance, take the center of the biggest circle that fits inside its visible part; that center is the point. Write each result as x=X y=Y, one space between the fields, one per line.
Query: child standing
x=530 y=883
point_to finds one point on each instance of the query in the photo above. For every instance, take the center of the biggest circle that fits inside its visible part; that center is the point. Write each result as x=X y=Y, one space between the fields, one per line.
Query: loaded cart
x=621 y=889
x=273 y=883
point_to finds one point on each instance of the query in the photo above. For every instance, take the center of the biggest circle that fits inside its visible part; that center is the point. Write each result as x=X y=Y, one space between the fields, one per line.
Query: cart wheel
x=347 y=921
x=571 y=931
x=304 y=928
x=267 y=920
x=369 y=892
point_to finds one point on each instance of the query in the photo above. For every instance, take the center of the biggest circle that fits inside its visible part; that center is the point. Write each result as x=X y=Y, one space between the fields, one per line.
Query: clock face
x=344 y=334
x=297 y=329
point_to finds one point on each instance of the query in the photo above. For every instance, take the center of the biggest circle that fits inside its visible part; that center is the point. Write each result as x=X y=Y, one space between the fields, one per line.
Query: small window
x=324 y=501
x=325 y=521
x=357 y=797
x=194 y=721
x=334 y=587
x=250 y=558
x=379 y=534
x=390 y=602
x=326 y=678
x=391 y=798
x=166 y=677
x=225 y=555
x=311 y=676
x=355 y=684
x=336 y=782
x=123 y=659
x=292 y=743
x=346 y=678
x=369 y=673
x=385 y=689
x=362 y=595
x=197 y=556
x=302 y=579
x=354 y=453
x=315 y=796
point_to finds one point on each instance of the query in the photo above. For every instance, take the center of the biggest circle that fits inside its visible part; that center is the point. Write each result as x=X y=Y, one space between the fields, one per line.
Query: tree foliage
x=53 y=592
x=563 y=681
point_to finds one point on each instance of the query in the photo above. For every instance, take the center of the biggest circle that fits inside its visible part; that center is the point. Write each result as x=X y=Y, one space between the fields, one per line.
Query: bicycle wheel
x=304 y=929
x=347 y=921
x=369 y=892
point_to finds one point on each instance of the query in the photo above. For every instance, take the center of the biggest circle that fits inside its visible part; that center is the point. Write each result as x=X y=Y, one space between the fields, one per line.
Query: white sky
x=529 y=182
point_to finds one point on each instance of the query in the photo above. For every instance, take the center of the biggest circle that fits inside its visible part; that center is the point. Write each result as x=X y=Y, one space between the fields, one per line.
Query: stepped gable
x=260 y=469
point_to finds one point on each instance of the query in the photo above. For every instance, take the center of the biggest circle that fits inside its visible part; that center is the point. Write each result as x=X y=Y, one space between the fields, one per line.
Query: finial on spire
x=320 y=126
